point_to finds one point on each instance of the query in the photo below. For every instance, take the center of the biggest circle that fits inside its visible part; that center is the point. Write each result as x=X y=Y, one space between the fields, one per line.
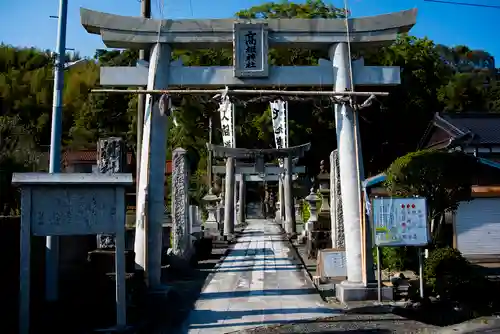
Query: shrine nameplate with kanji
x=250 y=48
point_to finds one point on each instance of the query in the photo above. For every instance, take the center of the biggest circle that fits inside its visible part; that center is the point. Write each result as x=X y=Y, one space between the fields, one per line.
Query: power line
x=463 y=4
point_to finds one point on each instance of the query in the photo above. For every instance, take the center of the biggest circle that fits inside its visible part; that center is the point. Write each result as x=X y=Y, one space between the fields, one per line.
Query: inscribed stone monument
x=110 y=160
x=338 y=240
x=180 y=203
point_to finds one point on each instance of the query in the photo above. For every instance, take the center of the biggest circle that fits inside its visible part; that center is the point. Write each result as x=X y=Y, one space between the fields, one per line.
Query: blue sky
x=27 y=22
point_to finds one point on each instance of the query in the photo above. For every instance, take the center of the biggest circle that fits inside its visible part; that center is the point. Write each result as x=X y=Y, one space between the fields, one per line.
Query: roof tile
x=484 y=126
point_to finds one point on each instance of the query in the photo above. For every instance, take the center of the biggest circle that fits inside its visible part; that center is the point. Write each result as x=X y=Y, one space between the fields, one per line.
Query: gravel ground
x=350 y=323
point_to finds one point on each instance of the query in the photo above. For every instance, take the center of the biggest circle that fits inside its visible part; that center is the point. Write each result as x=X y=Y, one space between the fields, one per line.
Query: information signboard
x=400 y=221
x=331 y=263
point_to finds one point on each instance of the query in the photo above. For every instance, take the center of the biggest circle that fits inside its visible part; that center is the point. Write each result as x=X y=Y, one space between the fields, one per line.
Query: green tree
x=17 y=153
x=409 y=107
x=443 y=178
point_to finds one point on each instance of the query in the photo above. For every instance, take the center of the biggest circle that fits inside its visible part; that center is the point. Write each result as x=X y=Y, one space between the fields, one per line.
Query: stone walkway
x=258 y=283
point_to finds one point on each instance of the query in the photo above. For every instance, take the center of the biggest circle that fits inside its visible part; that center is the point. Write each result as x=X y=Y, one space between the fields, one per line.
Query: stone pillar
x=150 y=203
x=349 y=177
x=323 y=179
x=229 y=198
x=290 y=227
x=242 y=206
x=180 y=203
x=281 y=195
x=337 y=230
x=195 y=232
x=111 y=157
x=221 y=204
x=236 y=202
x=298 y=211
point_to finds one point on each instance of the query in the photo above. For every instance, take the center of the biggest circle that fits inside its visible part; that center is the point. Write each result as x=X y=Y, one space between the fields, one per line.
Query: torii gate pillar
x=349 y=176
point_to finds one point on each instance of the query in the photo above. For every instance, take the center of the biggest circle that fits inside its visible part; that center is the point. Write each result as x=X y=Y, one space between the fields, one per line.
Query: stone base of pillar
x=211 y=225
x=353 y=292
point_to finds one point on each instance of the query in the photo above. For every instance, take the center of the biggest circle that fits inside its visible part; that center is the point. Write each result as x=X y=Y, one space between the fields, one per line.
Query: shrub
x=305 y=211
x=449 y=275
x=398 y=258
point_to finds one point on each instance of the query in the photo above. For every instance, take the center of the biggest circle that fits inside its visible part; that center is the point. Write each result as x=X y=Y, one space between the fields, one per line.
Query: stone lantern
x=310 y=228
x=324 y=188
x=211 y=201
x=312 y=199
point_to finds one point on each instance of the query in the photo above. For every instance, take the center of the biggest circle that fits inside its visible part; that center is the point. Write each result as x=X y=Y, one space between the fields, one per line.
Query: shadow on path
x=256 y=293
x=212 y=319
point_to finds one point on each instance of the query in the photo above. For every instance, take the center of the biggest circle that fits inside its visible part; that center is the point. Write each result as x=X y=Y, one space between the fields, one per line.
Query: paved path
x=258 y=283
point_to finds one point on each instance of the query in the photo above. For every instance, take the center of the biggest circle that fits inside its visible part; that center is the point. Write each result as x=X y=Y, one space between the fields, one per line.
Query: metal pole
x=421 y=272
x=52 y=242
x=379 y=275
x=141 y=102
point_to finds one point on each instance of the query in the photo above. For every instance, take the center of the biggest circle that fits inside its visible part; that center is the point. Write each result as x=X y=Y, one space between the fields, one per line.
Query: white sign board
x=332 y=263
x=400 y=221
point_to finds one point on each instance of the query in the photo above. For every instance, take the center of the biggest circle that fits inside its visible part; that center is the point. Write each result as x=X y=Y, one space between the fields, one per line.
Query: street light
x=71 y=64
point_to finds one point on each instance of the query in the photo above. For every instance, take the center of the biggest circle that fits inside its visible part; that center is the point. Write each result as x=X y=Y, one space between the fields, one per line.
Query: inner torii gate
x=246 y=172
x=250 y=40
x=231 y=154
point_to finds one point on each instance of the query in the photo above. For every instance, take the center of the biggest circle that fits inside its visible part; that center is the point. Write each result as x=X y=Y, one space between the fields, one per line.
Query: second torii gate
x=251 y=173
x=231 y=154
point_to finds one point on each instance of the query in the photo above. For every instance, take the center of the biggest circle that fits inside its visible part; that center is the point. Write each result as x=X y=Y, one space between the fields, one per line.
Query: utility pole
x=52 y=242
x=141 y=101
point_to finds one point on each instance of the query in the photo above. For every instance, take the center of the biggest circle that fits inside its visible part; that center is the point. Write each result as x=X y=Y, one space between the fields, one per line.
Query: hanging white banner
x=226 y=109
x=279 y=114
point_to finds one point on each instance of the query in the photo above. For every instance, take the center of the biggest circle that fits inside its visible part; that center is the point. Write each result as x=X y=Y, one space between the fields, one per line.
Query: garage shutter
x=478 y=227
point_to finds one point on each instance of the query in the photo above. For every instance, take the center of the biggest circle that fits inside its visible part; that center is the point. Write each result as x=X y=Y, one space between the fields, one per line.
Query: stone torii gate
x=245 y=172
x=231 y=154
x=250 y=40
